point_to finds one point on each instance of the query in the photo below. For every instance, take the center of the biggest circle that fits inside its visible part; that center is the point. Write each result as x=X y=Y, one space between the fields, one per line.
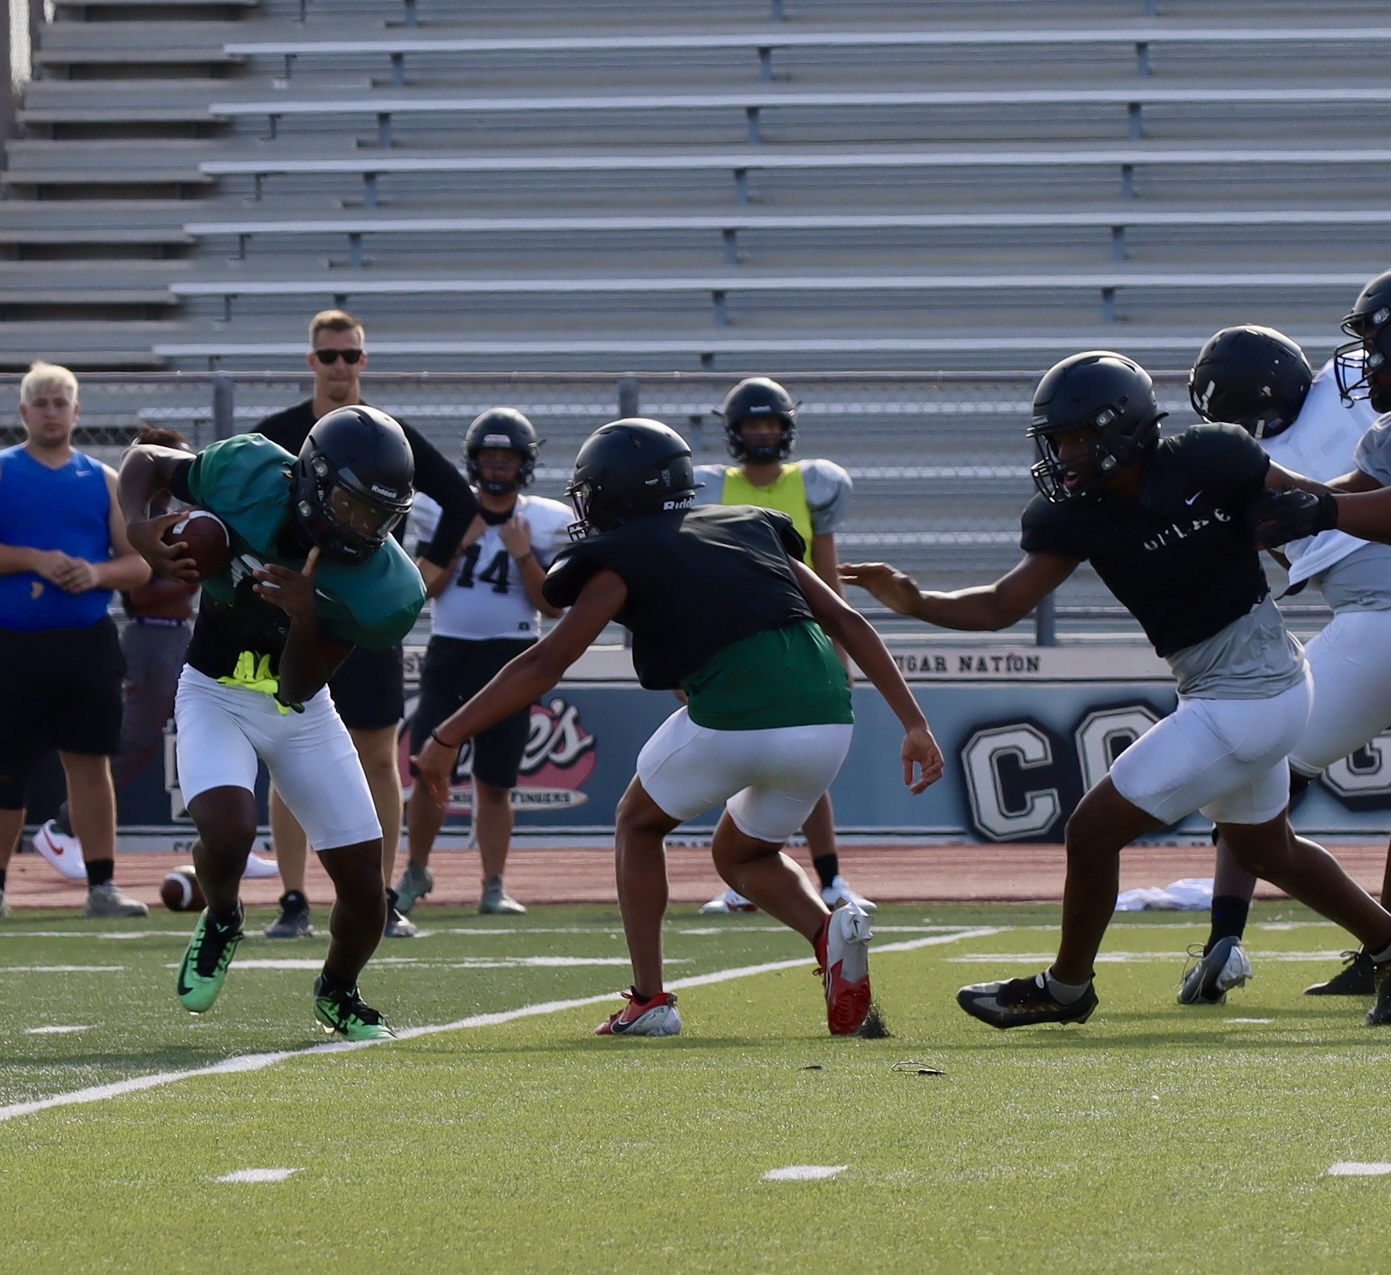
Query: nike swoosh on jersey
x=1190 y=499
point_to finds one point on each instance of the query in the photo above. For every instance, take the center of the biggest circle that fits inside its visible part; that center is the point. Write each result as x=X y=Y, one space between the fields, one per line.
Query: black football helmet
x=626 y=469
x=754 y=399
x=507 y=428
x=1363 y=365
x=352 y=482
x=1252 y=376
x=1101 y=391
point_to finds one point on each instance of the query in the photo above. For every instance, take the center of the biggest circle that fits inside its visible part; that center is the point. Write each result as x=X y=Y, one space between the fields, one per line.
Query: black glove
x=1279 y=516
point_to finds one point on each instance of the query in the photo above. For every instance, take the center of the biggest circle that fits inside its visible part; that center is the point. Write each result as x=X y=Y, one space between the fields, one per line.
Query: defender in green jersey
x=313 y=573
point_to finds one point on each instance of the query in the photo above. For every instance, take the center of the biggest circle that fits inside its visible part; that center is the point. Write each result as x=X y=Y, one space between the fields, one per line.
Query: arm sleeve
x=1373 y=455
x=828 y=495
x=448 y=488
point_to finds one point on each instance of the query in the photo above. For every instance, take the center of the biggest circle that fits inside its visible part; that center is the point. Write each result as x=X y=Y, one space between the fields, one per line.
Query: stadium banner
x=1025 y=731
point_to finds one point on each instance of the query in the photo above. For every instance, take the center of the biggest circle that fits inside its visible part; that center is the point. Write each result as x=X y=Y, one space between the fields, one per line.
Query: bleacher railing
x=939 y=460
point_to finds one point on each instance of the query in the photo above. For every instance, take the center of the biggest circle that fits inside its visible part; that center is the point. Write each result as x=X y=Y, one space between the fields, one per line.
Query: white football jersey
x=485 y=596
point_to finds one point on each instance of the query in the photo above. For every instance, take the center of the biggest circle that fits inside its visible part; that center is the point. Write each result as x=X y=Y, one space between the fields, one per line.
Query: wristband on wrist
x=442 y=743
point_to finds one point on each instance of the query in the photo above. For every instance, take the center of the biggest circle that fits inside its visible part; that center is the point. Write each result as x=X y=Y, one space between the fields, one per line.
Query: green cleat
x=345 y=1014
x=204 y=967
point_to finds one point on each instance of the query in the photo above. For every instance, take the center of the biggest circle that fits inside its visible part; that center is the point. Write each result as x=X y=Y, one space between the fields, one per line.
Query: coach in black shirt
x=369 y=689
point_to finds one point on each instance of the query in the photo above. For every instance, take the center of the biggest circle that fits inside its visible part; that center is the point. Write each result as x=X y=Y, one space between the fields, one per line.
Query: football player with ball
x=721 y=605
x=312 y=573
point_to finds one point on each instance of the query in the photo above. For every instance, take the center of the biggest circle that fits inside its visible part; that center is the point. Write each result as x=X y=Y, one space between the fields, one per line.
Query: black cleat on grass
x=1354 y=979
x=1380 y=1013
x=1021 y=1002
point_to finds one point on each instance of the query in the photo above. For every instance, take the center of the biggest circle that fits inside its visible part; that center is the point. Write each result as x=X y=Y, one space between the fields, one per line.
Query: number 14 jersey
x=486 y=596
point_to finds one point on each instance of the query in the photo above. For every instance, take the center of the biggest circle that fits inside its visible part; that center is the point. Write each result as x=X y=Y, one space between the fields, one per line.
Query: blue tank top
x=41 y=508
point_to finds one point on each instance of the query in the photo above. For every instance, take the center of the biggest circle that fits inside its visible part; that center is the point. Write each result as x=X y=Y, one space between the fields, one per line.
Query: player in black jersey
x=1166 y=524
x=720 y=605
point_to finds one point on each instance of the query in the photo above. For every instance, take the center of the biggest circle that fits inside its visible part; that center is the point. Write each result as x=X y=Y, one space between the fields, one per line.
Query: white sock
x=1064 y=993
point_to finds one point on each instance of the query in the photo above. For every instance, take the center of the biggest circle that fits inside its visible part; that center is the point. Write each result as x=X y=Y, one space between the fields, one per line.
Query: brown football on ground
x=206 y=538
x=181 y=892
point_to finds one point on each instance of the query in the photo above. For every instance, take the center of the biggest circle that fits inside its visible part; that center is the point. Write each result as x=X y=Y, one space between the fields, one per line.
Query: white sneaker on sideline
x=839 y=892
x=259 y=867
x=730 y=900
x=62 y=851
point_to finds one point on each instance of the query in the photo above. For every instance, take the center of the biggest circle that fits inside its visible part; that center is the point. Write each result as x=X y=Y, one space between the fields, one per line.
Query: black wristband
x=434 y=735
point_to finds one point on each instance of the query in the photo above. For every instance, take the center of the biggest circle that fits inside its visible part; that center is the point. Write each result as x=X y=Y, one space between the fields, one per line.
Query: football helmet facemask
x=759 y=399
x=1107 y=393
x=1362 y=366
x=352 y=482
x=1252 y=376
x=626 y=469
x=502 y=427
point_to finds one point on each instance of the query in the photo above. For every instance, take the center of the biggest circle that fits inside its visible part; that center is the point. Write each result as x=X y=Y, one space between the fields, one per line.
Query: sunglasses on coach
x=332 y=356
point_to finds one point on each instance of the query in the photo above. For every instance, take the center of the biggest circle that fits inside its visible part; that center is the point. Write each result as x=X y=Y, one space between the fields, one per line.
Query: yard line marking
x=64 y=969
x=1352 y=1169
x=489 y=931
x=258 y=1062
x=259 y=1175
x=54 y=1031
x=1122 y=958
x=1250 y=1020
x=805 y=1173
x=461 y=963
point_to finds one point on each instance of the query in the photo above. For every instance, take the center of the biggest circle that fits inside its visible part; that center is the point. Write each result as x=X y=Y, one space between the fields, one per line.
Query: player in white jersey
x=1259 y=379
x=487 y=609
x=760 y=432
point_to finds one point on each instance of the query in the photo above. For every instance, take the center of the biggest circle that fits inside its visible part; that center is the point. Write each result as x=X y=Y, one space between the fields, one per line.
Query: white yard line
x=258 y=1062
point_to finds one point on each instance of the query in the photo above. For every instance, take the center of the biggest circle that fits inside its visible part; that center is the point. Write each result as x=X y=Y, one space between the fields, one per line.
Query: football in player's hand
x=205 y=536
x=181 y=892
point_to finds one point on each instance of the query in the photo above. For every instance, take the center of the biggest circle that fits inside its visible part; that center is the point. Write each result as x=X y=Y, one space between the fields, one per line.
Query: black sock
x=1229 y=913
x=2 y=880
x=329 y=983
x=827 y=868
x=63 y=820
x=100 y=871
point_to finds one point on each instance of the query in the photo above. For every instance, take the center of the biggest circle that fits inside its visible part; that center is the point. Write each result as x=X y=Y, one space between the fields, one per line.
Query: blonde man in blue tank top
x=760 y=429
x=64 y=552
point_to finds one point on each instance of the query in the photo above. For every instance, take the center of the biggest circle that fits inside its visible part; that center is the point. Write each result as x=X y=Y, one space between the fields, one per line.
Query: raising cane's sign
x=558 y=758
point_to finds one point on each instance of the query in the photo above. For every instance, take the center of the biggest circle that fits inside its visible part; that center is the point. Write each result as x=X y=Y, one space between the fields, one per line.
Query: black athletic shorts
x=369 y=689
x=59 y=688
x=455 y=669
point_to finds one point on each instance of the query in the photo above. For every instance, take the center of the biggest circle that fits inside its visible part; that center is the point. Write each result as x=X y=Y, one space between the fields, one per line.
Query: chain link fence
x=939 y=461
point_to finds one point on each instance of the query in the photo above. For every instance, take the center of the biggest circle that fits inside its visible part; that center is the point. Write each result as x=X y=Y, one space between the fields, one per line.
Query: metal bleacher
x=705 y=187
x=728 y=185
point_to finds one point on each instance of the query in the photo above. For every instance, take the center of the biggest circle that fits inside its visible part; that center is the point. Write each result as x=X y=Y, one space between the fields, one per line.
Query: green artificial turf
x=1154 y=1138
